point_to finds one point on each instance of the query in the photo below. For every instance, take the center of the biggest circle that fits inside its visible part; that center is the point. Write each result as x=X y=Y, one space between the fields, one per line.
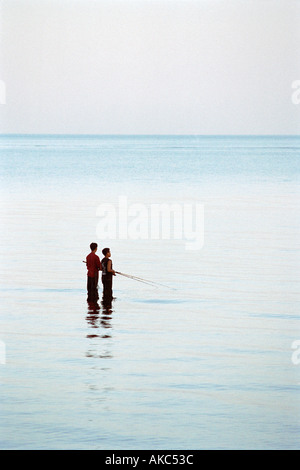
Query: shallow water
x=205 y=364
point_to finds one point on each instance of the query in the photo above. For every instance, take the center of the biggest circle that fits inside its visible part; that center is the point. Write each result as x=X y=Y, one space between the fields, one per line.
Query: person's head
x=106 y=252
x=93 y=247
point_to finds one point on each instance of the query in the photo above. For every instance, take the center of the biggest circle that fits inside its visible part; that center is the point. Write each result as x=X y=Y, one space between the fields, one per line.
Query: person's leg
x=89 y=288
x=107 y=292
x=92 y=287
x=104 y=290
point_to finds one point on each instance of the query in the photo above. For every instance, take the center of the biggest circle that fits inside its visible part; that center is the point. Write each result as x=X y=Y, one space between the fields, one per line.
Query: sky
x=149 y=67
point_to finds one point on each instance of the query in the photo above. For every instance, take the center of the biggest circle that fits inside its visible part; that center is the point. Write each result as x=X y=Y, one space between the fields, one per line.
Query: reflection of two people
x=95 y=320
x=94 y=265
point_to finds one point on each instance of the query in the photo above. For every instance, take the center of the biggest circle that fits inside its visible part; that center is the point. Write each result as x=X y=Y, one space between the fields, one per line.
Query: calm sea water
x=208 y=364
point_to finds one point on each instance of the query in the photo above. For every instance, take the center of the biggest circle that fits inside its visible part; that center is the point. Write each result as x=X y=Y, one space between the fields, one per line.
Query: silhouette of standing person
x=107 y=274
x=93 y=265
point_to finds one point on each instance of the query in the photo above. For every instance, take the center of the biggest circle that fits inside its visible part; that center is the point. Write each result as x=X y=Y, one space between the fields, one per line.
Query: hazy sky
x=150 y=67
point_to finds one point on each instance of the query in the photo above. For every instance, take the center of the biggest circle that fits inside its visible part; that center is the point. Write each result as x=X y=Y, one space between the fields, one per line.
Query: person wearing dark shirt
x=93 y=265
x=107 y=274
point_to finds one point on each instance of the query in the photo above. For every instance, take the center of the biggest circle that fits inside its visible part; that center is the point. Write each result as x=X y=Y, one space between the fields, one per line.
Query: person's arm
x=99 y=265
x=109 y=270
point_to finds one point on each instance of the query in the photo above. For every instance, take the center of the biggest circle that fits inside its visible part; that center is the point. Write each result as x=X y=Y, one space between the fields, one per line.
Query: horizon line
x=143 y=135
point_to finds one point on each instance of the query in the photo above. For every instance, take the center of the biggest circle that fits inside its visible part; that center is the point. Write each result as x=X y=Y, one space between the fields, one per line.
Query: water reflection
x=99 y=319
x=93 y=315
x=99 y=350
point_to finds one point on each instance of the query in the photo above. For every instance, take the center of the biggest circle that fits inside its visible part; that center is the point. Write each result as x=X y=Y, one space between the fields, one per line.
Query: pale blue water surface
x=207 y=364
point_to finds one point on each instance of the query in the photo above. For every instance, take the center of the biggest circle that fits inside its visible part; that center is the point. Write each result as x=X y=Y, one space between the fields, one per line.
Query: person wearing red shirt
x=93 y=265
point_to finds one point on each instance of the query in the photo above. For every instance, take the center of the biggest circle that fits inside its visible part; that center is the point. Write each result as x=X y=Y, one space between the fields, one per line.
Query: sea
x=206 y=355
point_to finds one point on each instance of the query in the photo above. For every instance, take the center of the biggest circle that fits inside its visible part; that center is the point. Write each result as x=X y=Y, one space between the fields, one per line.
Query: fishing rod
x=140 y=279
x=135 y=279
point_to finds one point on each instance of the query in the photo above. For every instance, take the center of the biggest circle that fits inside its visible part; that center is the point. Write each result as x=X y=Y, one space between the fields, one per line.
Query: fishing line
x=136 y=278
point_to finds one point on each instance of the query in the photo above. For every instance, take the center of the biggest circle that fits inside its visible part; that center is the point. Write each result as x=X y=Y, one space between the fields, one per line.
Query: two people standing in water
x=94 y=265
